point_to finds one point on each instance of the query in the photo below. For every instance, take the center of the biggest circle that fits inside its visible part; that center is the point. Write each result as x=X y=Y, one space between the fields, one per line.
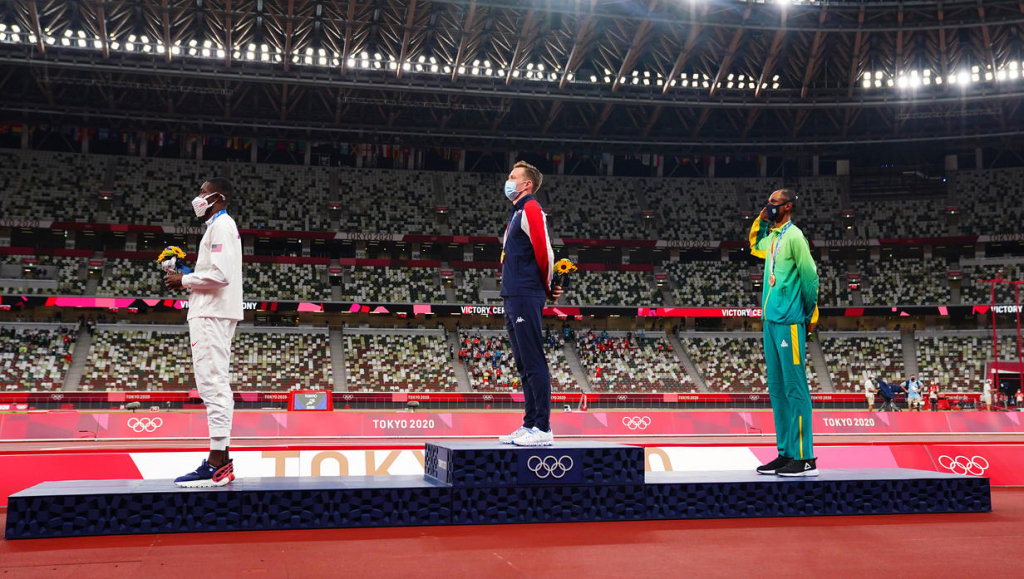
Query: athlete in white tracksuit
x=214 y=309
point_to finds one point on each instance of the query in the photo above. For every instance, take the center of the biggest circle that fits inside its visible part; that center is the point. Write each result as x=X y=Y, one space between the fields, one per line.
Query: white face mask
x=200 y=204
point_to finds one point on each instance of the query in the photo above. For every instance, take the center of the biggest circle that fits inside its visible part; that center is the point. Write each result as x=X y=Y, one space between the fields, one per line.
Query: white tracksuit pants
x=211 y=359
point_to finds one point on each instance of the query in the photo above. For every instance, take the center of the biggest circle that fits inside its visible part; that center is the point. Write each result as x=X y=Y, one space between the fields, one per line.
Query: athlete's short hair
x=532 y=173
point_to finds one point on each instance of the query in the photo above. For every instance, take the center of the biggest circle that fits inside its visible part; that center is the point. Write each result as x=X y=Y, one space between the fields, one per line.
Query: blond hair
x=532 y=173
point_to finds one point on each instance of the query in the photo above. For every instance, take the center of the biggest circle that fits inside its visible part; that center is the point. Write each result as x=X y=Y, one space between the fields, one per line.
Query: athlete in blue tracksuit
x=527 y=265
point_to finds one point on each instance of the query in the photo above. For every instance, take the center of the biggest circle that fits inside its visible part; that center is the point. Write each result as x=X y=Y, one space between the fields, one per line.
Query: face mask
x=200 y=204
x=773 y=211
x=510 y=190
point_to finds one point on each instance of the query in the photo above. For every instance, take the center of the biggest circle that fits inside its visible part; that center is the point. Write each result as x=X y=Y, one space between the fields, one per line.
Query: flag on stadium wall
x=16 y=129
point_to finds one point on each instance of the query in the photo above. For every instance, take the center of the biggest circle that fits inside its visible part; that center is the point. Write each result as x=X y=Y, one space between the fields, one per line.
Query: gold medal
x=771 y=280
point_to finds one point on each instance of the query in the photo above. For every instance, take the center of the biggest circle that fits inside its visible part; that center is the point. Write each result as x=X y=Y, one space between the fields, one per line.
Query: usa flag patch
x=216 y=247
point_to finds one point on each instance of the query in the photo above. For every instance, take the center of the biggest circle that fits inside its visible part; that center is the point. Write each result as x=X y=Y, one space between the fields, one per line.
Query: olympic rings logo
x=549 y=466
x=622 y=397
x=636 y=422
x=145 y=424
x=754 y=397
x=974 y=466
x=347 y=397
x=57 y=396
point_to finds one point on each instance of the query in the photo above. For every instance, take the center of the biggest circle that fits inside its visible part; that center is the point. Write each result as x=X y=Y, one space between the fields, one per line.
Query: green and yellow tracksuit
x=787 y=308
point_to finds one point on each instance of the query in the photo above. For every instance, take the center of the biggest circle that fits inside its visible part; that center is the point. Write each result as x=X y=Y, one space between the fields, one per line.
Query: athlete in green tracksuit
x=789 y=303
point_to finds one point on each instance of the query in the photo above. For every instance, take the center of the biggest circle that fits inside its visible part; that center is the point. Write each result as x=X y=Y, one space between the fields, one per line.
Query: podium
x=469 y=483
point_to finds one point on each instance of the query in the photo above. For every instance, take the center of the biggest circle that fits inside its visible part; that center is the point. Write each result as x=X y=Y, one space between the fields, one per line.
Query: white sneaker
x=535 y=437
x=508 y=438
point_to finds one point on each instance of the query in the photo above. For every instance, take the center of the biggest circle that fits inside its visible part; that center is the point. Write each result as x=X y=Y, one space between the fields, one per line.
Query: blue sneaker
x=207 y=476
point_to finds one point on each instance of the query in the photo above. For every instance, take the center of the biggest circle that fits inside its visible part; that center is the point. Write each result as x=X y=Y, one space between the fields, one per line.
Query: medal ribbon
x=775 y=246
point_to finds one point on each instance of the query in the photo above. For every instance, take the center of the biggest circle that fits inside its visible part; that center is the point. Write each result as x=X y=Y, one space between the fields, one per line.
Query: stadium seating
x=476 y=205
x=592 y=207
x=640 y=365
x=906 y=282
x=35 y=358
x=387 y=201
x=988 y=200
x=899 y=218
x=285 y=281
x=277 y=361
x=956 y=363
x=491 y=366
x=69 y=282
x=713 y=284
x=833 y=286
x=57 y=186
x=467 y=288
x=974 y=291
x=735 y=364
x=394 y=284
x=849 y=358
x=161 y=360
x=389 y=362
x=128 y=278
x=611 y=288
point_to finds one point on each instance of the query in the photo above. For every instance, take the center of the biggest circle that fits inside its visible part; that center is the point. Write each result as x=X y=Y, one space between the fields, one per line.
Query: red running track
x=904 y=546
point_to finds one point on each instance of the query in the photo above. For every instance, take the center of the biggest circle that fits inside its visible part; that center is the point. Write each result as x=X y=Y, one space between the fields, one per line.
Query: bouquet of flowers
x=171 y=260
x=563 y=268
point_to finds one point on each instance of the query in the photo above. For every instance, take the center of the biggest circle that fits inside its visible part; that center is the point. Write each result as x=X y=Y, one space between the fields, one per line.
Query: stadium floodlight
x=529 y=66
x=488 y=72
x=686 y=84
x=3 y=27
x=206 y=52
x=672 y=82
x=553 y=76
x=147 y=48
x=433 y=68
x=540 y=67
x=867 y=83
x=364 y=63
x=988 y=76
x=660 y=82
x=422 y=59
x=515 y=73
x=938 y=80
x=647 y=74
x=351 y=63
x=132 y=38
x=878 y=74
x=392 y=65
x=775 y=86
x=501 y=71
x=878 y=84
x=707 y=84
x=647 y=82
x=406 y=66
x=593 y=78
x=730 y=77
x=607 y=80
x=474 y=71
x=728 y=85
x=462 y=70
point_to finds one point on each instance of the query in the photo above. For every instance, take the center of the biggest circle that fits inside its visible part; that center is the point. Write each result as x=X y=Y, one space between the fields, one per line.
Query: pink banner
x=58 y=425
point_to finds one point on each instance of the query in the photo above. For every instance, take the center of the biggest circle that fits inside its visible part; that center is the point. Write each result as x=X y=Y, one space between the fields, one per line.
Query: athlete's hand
x=555 y=293
x=764 y=214
x=811 y=327
x=172 y=281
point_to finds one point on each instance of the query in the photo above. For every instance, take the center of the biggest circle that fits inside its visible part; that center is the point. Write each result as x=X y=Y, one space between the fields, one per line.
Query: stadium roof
x=594 y=74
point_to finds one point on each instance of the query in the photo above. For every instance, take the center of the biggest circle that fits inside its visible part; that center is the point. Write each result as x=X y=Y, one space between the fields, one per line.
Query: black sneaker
x=799 y=468
x=770 y=468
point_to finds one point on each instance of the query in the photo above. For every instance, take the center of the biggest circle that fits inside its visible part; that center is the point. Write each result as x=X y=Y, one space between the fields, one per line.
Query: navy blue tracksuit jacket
x=527 y=266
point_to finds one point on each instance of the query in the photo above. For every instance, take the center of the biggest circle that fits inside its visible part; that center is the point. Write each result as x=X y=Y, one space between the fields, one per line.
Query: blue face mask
x=773 y=210
x=510 y=190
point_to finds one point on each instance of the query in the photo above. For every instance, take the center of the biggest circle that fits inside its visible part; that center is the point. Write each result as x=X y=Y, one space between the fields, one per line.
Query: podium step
x=484 y=483
x=467 y=464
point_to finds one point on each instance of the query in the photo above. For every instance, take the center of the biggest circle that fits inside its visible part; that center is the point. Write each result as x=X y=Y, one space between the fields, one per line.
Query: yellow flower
x=170 y=251
x=564 y=266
